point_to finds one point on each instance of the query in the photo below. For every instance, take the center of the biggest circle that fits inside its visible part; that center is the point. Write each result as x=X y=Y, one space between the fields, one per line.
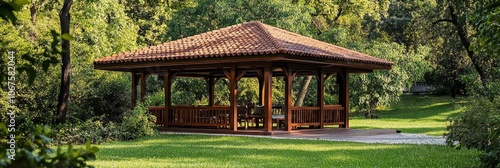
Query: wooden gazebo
x=250 y=49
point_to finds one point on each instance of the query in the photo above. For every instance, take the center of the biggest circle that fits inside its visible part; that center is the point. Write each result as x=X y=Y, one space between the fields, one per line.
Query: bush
x=135 y=124
x=479 y=128
x=94 y=131
x=34 y=151
x=138 y=123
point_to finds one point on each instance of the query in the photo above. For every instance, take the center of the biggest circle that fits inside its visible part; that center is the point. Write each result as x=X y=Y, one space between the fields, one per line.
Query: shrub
x=34 y=151
x=135 y=124
x=138 y=123
x=94 y=131
x=479 y=128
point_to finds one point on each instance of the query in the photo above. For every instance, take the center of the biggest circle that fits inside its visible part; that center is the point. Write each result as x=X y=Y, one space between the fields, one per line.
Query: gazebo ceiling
x=245 y=42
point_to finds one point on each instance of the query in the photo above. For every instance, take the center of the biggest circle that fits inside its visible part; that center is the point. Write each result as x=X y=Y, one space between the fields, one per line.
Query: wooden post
x=288 y=99
x=233 y=92
x=343 y=82
x=166 y=88
x=143 y=86
x=261 y=91
x=268 y=99
x=134 y=90
x=321 y=97
x=211 y=90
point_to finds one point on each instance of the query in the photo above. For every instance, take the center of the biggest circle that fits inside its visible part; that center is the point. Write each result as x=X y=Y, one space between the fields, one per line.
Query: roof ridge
x=271 y=38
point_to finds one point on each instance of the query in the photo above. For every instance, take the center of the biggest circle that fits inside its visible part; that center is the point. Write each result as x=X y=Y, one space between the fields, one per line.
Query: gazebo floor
x=249 y=131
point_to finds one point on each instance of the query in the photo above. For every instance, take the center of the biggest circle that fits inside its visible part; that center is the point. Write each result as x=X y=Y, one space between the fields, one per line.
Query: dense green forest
x=452 y=45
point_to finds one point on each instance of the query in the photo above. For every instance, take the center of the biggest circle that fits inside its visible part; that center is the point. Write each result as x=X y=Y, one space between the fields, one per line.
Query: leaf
x=18 y=4
x=7 y=9
x=67 y=36
x=6 y=12
x=45 y=65
x=30 y=71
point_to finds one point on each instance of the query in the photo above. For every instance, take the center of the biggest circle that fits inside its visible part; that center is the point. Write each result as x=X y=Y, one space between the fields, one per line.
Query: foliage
x=478 y=127
x=138 y=123
x=488 y=29
x=210 y=15
x=34 y=151
x=384 y=87
x=134 y=124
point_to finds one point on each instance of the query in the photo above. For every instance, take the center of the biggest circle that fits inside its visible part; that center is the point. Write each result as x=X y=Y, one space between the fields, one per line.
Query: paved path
x=352 y=135
x=366 y=136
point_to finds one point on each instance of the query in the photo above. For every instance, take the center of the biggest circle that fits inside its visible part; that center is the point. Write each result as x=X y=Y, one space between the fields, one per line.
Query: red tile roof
x=245 y=39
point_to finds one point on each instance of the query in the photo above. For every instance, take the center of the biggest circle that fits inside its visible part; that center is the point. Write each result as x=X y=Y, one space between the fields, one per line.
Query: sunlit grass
x=413 y=114
x=173 y=150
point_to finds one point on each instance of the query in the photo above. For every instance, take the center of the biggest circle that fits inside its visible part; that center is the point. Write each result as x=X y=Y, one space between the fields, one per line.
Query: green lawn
x=413 y=114
x=169 y=150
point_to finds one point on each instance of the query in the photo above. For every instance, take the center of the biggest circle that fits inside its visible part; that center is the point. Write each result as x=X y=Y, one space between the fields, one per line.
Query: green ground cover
x=170 y=150
x=413 y=114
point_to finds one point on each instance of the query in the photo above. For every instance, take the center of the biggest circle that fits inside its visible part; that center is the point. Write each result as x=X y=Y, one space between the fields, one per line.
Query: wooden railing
x=159 y=113
x=218 y=116
x=192 y=116
x=302 y=116
x=311 y=116
x=334 y=115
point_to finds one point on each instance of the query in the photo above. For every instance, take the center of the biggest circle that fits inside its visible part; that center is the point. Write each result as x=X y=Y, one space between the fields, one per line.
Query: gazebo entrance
x=253 y=50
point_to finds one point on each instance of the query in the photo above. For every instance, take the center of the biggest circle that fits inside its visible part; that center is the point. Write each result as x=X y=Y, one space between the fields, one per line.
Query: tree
x=152 y=16
x=211 y=15
x=62 y=101
x=384 y=87
x=456 y=12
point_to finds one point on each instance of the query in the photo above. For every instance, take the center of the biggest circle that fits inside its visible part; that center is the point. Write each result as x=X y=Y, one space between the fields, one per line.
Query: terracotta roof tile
x=245 y=39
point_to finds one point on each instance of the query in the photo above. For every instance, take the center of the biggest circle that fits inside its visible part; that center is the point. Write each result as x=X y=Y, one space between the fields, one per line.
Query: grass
x=413 y=114
x=173 y=150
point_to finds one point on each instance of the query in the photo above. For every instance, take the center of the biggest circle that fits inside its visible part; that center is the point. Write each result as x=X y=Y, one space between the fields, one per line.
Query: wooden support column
x=167 y=86
x=321 y=96
x=288 y=99
x=134 y=90
x=211 y=90
x=343 y=82
x=268 y=99
x=143 y=86
x=233 y=92
x=261 y=91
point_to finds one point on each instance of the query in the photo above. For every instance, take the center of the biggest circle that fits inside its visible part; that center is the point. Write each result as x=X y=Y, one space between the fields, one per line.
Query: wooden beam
x=321 y=96
x=228 y=74
x=199 y=62
x=233 y=92
x=268 y=99
x=167 y=86
x=243 y=72
x=288 y=99
x=134 y=90
x=143 y=86
x=285 y=72
x=295 y=73
x=172 y=75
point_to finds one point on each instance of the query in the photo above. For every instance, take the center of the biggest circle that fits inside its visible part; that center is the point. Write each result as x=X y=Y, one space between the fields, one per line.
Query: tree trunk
x=466 y=43
x=461 y=32
x=62 y=102
x=303 y=91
